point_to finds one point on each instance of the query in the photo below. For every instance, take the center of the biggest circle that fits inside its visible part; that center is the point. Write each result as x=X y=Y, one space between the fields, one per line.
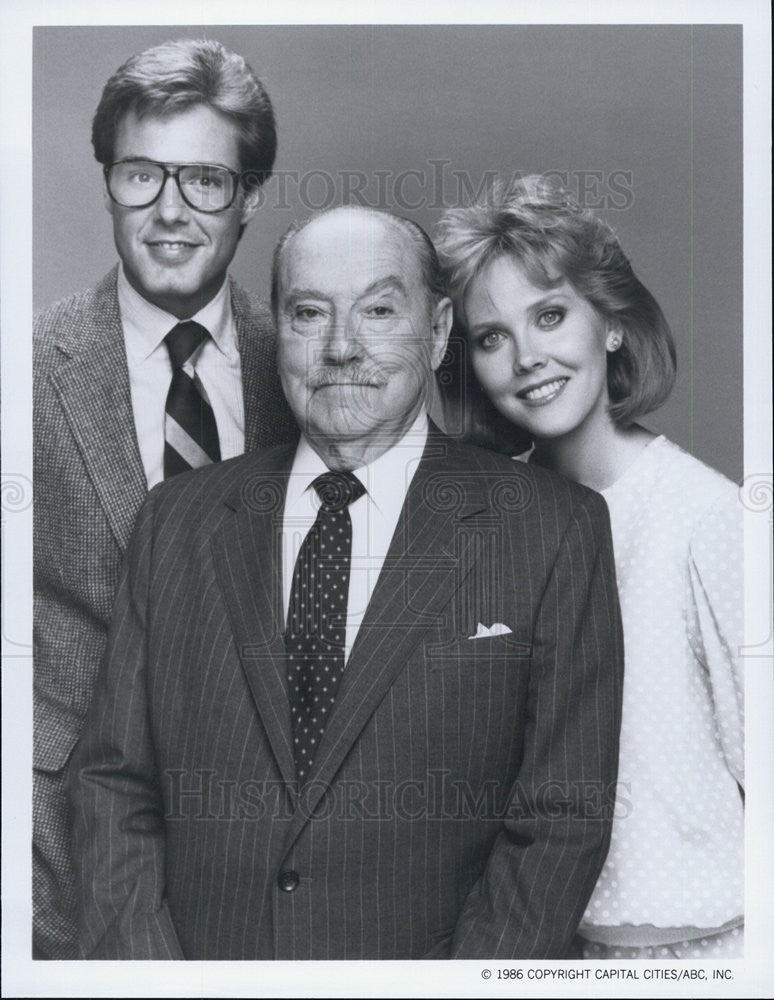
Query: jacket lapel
x=246 y=554
x=431 y=554
x=93 y=387
x=268 y=419
x=248 y=342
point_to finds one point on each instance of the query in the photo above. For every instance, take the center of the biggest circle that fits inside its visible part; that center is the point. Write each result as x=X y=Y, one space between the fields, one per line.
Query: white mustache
x=355 y=376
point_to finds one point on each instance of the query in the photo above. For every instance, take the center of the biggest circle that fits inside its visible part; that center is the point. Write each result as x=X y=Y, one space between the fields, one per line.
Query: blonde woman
x=563 y=342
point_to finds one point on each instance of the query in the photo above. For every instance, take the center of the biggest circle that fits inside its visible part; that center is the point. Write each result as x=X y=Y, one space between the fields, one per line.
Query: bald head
x=418 y=243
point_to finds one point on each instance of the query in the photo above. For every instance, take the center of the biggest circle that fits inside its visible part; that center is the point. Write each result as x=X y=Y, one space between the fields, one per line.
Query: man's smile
x=171 y=251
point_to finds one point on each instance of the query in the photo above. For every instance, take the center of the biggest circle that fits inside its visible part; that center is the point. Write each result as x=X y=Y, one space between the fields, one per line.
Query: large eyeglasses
x=207 y=187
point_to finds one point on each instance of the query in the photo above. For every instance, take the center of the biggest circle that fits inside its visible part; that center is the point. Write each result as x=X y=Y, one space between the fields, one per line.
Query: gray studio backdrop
x=644 y=122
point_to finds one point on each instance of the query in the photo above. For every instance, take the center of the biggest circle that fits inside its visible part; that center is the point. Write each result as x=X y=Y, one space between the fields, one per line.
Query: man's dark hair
x=179 y=75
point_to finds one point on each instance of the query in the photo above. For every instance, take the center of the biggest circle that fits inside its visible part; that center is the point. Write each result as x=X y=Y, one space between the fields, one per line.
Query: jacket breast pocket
x=493 y=649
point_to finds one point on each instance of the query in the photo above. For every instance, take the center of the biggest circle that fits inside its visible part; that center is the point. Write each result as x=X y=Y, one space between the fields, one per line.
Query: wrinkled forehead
x=347 y=251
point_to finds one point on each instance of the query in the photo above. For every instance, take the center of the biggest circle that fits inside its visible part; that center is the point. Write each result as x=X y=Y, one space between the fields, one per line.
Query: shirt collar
x=386 y=479
x=145 y=325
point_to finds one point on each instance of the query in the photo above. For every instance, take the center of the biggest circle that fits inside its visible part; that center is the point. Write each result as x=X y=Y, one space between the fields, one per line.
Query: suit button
x=288 y=880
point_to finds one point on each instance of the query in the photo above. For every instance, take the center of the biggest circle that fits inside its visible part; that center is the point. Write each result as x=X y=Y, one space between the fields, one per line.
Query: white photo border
x=23 y=977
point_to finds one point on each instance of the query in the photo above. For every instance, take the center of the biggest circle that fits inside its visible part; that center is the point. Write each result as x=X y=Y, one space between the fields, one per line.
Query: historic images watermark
x=435 y=187
x=203 y=794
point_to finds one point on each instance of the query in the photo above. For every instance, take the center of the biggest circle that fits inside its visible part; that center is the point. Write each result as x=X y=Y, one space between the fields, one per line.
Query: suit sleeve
x=546 y=859
x=117 y=807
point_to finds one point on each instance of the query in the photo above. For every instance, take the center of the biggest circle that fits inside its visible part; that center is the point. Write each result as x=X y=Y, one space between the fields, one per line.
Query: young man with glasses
x=164 y=366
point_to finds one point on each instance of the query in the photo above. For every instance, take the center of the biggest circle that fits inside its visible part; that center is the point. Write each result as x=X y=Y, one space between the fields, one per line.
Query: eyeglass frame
x=174 y=172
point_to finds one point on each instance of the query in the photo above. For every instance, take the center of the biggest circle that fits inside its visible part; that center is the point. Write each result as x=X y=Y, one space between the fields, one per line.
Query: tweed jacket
x=460 y=800
x=89 y=484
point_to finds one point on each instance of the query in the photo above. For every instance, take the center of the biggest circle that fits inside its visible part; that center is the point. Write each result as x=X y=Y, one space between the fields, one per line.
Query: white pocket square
x=497 y=629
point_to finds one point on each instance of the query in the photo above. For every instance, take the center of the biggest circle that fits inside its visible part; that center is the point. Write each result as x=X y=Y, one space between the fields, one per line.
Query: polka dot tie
x=316 y=631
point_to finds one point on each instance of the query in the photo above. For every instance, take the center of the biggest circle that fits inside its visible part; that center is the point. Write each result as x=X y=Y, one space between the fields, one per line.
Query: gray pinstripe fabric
x=89 y=484
x=453 y=809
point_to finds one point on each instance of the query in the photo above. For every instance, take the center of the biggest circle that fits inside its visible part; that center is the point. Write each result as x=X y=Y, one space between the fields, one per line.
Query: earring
x=613 y=342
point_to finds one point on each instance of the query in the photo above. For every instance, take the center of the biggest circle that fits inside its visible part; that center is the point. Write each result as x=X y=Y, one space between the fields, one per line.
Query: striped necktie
x=317 y=616
x=190 y=431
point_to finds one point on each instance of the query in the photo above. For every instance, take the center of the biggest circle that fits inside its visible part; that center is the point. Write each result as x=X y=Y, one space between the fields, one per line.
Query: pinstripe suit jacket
x=89 y=484
x=457 y=806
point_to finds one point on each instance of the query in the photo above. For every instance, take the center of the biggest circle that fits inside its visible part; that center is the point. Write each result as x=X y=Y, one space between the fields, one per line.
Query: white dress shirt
x=150 y=372
x=374 y=515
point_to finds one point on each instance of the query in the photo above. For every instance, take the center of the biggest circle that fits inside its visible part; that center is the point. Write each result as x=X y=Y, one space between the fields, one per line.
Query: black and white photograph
x=387 y=501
